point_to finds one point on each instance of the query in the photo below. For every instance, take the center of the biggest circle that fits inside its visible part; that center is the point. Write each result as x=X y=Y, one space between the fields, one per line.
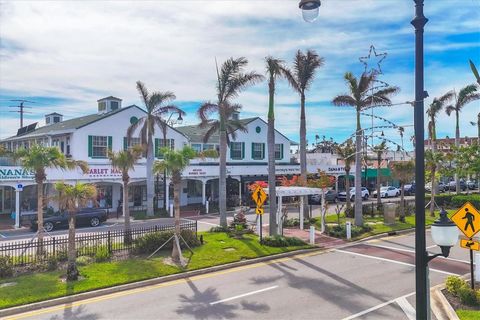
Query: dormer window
x=102 y=106
x=109 y=104
x=114 y=105
x=53 y=118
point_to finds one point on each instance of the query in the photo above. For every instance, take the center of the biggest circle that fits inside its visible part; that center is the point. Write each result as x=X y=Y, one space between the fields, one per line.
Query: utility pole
x=21 y=108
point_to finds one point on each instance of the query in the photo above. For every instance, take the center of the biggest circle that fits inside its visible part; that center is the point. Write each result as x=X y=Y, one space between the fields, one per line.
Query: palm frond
x=206 y=109
x=344 y=100
x=142 y=89
x=449 y=109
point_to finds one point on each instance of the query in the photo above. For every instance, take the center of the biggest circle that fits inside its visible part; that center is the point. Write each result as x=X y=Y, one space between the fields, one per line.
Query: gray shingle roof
x=196 y=134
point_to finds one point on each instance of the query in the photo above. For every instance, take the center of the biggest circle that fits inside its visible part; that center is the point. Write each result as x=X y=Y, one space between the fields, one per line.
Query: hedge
x=456 y=200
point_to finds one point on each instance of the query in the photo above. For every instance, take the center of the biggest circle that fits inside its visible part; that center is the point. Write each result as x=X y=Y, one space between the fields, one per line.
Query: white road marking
x=413 y=251
x=381 y=305
x=406 y=307
x=392 y=261
x=242 y=295
x=1 y=235
x=432 y=246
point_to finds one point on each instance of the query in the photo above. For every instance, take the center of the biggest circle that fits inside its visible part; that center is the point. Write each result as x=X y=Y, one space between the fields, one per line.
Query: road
x=368 y=280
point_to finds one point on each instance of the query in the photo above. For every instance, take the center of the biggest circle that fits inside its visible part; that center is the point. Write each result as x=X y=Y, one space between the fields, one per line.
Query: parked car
x=472 y=184
x=343 y=195
x=330 y=196
x=409 y=189
x=92 y=217
x=442 y=187
x=452 y=185
x=386 y=192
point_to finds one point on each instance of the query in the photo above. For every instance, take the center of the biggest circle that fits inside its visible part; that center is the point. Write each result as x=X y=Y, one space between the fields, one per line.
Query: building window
x=208 y=146
x=47 y=120
x=278 y=151
x=159 y=143
x=197 y=147
x=102 y=106
x=194 y=188
x=236 y=150
x=99 y=146
x=128 y=144
x=56 y=119
x=258 y=151
x=114 y=105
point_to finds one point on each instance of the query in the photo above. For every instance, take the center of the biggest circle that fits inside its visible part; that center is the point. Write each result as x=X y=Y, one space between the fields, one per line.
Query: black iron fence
x=27 y=252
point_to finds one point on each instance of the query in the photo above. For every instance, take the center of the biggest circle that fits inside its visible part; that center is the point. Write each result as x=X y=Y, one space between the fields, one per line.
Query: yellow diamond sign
x=259 y=196
x=467 y=219
x=259 y=210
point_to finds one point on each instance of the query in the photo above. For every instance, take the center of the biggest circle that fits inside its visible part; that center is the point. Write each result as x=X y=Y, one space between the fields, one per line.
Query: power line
x=21 y=108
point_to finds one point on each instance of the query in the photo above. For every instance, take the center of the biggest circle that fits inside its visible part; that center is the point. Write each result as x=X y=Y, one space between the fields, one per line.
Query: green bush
x=340 y=231
x=102 y=254
x=152 y=241
x=6 y=268
x=84 y=260
x=453 y=284
x=280 y=241
x=219 y=229
x=459 y=200
x=52 y=263
x=468 y=296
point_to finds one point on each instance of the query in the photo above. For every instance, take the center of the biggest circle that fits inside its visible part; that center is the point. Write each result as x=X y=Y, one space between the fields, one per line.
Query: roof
x=53 y=114
x=70 y=124
x=110 y=98
x=196 y=134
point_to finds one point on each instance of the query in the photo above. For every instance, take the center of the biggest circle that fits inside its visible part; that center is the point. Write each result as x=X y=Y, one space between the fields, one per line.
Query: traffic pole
x=472 y=279
x=261 y=227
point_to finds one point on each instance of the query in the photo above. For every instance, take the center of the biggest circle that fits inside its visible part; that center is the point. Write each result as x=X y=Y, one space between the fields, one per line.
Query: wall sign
x=15 y=173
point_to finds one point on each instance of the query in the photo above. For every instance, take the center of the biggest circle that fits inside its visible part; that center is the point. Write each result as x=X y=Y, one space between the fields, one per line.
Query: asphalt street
x=368 y=280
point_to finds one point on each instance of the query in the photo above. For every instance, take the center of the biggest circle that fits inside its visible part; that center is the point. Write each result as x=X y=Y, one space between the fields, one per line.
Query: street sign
x=19 y=187
x=259 y=196
x=467 y=219
x=470 y=244
x=259 y=210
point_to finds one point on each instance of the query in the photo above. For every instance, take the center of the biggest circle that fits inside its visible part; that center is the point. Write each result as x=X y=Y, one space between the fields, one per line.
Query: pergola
x=292 y=192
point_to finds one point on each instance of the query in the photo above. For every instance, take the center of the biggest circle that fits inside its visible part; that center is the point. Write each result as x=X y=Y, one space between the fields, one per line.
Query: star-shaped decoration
x=372 y=62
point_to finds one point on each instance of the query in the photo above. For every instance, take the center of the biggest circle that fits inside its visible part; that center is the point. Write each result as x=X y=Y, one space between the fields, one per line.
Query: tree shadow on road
x=69 y=313
x=198 y=305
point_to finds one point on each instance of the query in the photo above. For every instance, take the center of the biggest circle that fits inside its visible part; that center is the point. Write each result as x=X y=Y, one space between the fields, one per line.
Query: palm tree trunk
x=432 y=195
x=457 y=144
x=176 y=251
x=347 y=190
x=126 y=213
x=72 y=271
x=379 y=198
x=402 y=202
x=358 y=172
x=222 y=182
x=271 y=161
x=303 y=149
x=40 y=216
x=150 y=187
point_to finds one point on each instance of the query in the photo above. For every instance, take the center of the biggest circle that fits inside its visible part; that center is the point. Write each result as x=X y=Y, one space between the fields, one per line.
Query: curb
x=440 y=305
x=149 y=282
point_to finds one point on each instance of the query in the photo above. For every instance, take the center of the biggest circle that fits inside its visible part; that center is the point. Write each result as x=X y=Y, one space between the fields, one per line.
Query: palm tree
x=157 y=106
x=231 y=80
x=379 y=150
x=72 y=198
x=300 y=79
x=346 y=151
x=403 y=171
x=478 y=126
x=475 y=71
x=434 y=164
x=437 y=105
x=362 y=96
x=174 y=162
x=466 y=95
x=124 y=161
x=38 y=159
x=275 y=69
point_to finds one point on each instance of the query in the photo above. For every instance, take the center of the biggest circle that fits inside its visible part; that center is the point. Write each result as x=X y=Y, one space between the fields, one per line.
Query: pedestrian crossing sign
x=470 y=244
x=259 y=196
x=467 y=219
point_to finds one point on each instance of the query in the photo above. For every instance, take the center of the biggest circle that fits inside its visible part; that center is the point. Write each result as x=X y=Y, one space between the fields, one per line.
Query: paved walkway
x=321 y=240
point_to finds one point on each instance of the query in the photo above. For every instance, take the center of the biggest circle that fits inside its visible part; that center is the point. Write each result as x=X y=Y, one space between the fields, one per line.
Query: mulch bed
x=455 y=302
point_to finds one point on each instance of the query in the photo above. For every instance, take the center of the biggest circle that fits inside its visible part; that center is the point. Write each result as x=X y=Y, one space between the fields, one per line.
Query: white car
x=386 y=192
x=343 y=195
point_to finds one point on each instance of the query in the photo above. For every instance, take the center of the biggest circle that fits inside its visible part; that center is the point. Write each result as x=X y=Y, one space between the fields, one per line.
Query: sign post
x=259 y=196
x=467 y=219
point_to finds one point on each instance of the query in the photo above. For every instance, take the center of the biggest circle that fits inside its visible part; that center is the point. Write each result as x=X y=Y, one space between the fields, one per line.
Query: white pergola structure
x=292 y=192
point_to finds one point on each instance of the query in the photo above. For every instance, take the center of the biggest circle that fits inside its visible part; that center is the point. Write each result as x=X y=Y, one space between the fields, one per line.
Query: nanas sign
x=15 y=173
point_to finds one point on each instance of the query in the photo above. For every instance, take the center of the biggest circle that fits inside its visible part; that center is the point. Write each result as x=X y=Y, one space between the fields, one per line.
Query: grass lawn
x=377 y=223
x=43 y=286
x=468 y=314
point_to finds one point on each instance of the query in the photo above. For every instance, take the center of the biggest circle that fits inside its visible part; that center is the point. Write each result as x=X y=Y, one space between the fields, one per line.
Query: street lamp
x=444 y=234
x=310 y=9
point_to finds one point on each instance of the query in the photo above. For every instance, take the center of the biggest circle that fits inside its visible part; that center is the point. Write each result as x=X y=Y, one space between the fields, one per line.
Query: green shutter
x=263 y=151
x=281 y=151
x=90 y=146
x=125 y=146
x=243 y=150
x=252 y=150
x=110 y=143
x=231 y=152
x=157 y=152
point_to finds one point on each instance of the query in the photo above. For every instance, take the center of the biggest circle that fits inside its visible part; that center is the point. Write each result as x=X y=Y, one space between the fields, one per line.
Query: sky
x=65 y=55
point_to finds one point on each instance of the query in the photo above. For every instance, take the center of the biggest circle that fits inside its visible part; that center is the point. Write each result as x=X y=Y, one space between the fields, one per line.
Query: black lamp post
x=443 y=231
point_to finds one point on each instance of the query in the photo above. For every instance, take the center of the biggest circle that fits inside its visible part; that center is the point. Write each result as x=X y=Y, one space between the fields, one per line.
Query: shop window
x=194 y=188
x=258 y=151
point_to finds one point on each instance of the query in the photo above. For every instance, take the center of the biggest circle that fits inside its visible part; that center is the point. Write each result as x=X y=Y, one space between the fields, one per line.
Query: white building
x=88 y=138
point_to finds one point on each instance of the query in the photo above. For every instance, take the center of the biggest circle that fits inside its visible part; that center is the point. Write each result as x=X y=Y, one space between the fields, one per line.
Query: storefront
x=7 y=200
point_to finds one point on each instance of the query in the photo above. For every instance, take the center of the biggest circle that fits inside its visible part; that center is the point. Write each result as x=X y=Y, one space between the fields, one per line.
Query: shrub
x=280 y=241
x=340 y=231
x=453 y=284
x=152 y=241
x=219 y=229
x=84 y=260
x=102 y=254
x=349 y=212
x=467 y=296
x=459 y=200
x=52 y=263
x=6 y=268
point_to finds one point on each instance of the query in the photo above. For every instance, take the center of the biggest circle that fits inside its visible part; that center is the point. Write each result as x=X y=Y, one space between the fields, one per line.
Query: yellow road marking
x=156 y=286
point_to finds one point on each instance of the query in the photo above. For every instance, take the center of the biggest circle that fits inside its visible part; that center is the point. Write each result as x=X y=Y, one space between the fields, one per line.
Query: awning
x=295 y=191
